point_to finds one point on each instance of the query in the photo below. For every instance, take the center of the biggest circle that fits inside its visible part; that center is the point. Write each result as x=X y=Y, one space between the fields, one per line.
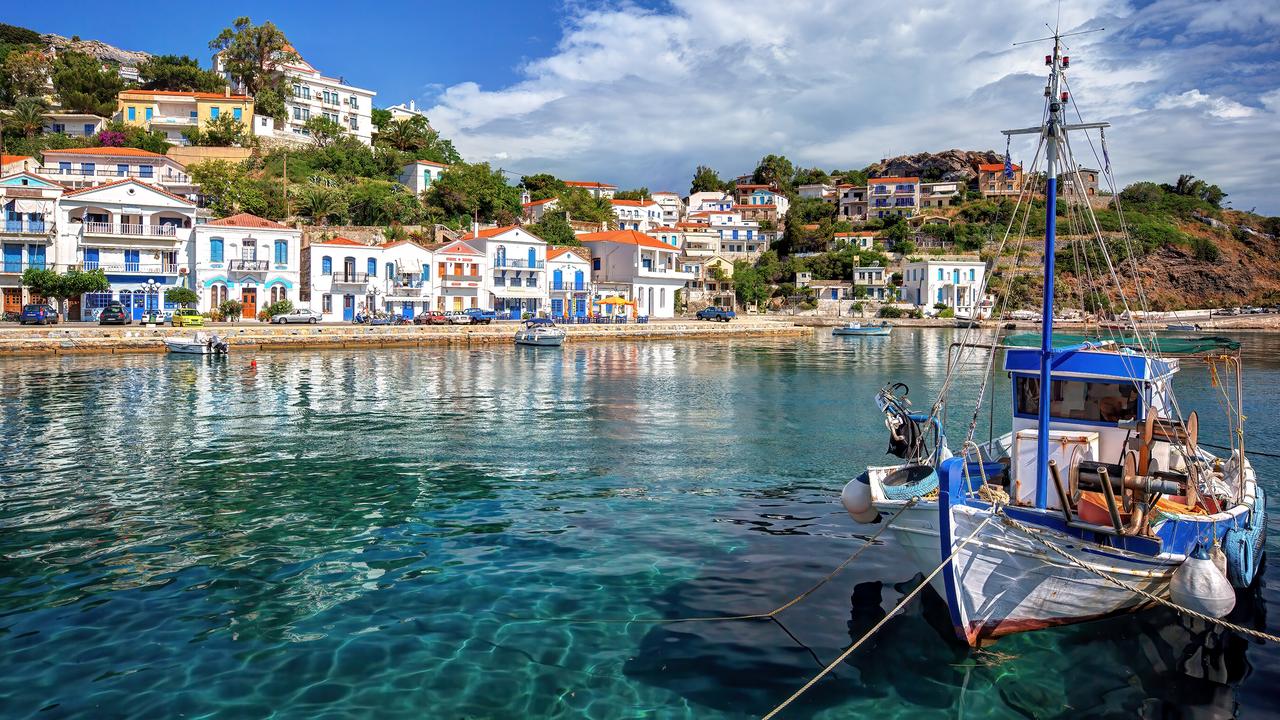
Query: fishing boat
x=1101 y=498
x=967 y=322
x=201 y=343
x=540 y=332
x=1182 y=327
x=854 y=329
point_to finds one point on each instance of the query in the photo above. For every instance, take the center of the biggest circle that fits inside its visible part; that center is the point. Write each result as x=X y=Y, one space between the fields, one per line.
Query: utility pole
x=286 y=185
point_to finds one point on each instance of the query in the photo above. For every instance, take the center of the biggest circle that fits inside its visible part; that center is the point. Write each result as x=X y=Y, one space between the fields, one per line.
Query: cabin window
x=1080 y=400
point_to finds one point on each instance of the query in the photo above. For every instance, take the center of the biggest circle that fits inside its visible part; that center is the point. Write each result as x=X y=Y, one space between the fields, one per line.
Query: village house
x=516 y=264
x=861 y=239
x=77 y=168
x=941 y=194
x=892 y=196
x=406 y=111
x=707 y=201
x=30 y=205
x=639 y=215
x=77 y=125
x=993 y=183
x=459 y=277
x=874 y=281
x=534 y=210
x=12 y=164
x=739 y=238
x=819 y=191
x=647 y=267
x=597 y=190
x=246 y=258
x=1074 y=192
x=762 y=196
x=672 y=207
x=406 y=278
x=173 y=113
x=419 y=174
x=852 y=204
x=956 y=284
x=570 y=291
x=339 y=278
x=138 y=234
x=698 y=239
x=711 y=281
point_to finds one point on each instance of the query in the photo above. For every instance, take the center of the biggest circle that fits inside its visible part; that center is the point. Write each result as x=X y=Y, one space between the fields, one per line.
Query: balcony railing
x=249 y=265
x=131 y=267
x=518 y=264
x=340 y=276
x=568 y=285
x=17 y=266
x=175 y=178
x=131 y=229
x=38 y=227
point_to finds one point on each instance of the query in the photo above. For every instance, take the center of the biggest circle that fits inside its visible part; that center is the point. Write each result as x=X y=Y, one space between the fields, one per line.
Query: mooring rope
x=1138 y=591
x=720 y=618
x=896 y=608
x=1247 y=453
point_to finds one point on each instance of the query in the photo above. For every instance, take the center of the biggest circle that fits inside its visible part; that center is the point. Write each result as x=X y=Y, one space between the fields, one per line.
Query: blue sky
x=639 y=93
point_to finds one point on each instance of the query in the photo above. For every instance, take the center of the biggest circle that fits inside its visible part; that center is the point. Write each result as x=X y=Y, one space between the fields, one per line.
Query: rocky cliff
x=96 y=49
x=946 y=165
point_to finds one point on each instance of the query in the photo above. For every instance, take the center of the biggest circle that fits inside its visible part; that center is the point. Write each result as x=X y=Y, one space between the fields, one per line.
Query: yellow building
x=172 y=112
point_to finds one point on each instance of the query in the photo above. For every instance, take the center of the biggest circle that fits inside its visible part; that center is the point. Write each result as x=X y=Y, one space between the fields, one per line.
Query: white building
x=672 y=207
x=570 y=271
x=957 y=284
x=708 y=201
x=80 y=125
x=458 y=277
x=874 y=281
x=405 y=111
x=11 y=164
x=535 y=209
x=698 y=239
x=650 y=269
x=29 y=204
x=818 y=191
x=639 y=215
x=138 y=234
x=246 y=258
x=340 y=278
x=595 y=189
x=419 y=174
x=316 y=95
x=862 y=239
x=739 y=238
x=86 y=167
x=405 y=281
x=941 y=194
x=516 y=283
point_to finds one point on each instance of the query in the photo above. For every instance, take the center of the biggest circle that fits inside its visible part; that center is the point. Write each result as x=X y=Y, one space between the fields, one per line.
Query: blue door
x=557 y=307
x=835 y=294
x=582 y=307
x=348 y=307
x=12 y=258
x=533 y=258
x=407 y=310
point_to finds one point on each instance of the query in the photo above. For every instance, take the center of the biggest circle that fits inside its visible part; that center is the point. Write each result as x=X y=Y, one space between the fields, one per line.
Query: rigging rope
x=896 y=608
x=1138 y=591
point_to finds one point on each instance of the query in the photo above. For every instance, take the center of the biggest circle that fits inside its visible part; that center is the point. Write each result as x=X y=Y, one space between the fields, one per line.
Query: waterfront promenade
x=80 y=339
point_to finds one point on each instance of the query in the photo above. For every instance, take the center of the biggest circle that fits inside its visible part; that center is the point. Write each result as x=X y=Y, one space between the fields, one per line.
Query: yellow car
x=187 y=317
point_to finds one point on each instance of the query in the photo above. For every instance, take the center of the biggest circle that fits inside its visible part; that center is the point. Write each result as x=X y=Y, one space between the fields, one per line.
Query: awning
x=33 y=206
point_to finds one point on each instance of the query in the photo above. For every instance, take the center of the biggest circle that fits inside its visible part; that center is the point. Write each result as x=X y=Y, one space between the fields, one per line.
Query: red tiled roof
x=110 y=151
x=579 y=183
x=341 y=241
x=754 y=187
x=491 y=232
x=860 y=233
x=457 y=247
x=6 y=159
x=544 y=201
x=426 y=162
x=995 y=167
x=883 y=180
x=179 y=198
x=634 y=203
x=245 y=220
x=663 y=229
x=625 y=237
x=755 y=207
x=696 y=225
x=556 y=251
x=202 y=95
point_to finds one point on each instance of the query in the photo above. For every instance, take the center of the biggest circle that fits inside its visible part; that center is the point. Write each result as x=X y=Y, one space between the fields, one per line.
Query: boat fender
x=856 y=498
x=1198 y=585
x=1243 y=545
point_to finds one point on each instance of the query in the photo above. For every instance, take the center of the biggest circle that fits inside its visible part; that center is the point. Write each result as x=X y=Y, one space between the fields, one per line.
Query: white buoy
x=1199 y=585
x=856 y=498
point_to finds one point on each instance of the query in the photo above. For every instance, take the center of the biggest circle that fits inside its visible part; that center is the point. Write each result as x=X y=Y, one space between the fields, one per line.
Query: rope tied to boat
x=1260 y=635
x=896 y=609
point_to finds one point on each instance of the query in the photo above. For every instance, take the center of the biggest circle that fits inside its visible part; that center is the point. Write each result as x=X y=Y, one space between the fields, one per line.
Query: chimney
x=226 y=91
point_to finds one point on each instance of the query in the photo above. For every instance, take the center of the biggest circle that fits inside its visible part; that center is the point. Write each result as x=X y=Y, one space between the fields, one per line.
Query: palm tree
x=28 y=116
x=319 y=204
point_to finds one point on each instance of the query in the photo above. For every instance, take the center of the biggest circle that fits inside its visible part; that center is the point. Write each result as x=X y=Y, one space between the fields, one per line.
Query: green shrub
x=947 y=313
x=889 y=311
x=231 y=309
x=280 y=307
x=1205 y=249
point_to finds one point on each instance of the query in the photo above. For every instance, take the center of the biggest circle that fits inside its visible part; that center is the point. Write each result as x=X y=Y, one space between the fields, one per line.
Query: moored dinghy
x=540 y=332
x=1100 y=499
x=854 y=329
x=201 y=343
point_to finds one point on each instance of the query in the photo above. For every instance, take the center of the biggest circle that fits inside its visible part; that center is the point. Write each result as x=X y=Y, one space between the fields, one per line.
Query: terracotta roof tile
x=342 y=241
x=179 y=198
x=634 y=203
x=245 y=220
x=491 y=232
x=6 y=159
x=626 y=237
x=883 y=180
x=556 y=251
x=179 y=93
x=996 y=167
x=106 y=151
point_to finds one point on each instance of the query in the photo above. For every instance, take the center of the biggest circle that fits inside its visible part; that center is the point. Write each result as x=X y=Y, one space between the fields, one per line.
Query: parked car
x=187 y=317
x=716 y=313
x=298 y=315
x=458 y=317
x=480 y=316
x=431 y=317
x=38 y=314
x=115 y=313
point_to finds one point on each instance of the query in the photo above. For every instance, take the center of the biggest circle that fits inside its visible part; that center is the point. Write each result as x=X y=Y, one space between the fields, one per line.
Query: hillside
x=96 y=49
x=945 y=165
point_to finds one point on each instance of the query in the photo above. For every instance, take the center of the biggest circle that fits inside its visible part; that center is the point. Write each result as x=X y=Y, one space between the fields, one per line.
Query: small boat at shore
x=199 y=344
x=540 y=332
x=1182 y=327
x=860 y=330
x=964 y=322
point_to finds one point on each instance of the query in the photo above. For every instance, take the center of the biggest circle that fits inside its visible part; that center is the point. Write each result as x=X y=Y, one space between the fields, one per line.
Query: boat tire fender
x=1243 y=545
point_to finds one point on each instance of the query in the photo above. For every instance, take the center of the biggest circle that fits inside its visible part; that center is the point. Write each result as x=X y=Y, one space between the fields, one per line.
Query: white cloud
x=639 y=97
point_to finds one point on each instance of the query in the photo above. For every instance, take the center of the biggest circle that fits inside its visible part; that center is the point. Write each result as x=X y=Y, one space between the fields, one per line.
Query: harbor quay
x=92 y=339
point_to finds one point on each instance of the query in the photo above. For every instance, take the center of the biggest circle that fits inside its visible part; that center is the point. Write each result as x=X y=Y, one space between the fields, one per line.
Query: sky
x=640 y=93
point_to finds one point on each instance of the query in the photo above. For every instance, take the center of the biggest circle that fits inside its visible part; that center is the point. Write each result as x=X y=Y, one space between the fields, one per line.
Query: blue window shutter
x=148 y=114
x=213 y=112
x=236 y=113
x=215 y=250
x=373 y=267
x=133 y=113
x=326 y=265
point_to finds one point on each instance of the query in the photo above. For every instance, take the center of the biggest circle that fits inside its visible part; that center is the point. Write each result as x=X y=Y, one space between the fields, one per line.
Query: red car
x=433 y=317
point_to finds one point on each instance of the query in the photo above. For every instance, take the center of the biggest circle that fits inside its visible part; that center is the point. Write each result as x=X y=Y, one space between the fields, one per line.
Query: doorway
x=348 y=307
x=249 y=298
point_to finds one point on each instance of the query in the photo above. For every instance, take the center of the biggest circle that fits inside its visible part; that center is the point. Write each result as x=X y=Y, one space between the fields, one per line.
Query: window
x=58 y=128
x=973 y=275
x=122 y=170
x=132 y=258
x=132 y=113
x=355 y=102
x=372 y=266
x=390 y=269
x=89 y=168
x=249 y=249
x=595 y=263
x=939 y=273
x=214 y=112
x=326 y=265
x=326 y=303
x=237 y=113
x=1079 y=400
x=145 y=170
x=215 y=250
x=149 y=110
x=282 y=252
x=88 y=129
x=354 y=124
x=64 y=167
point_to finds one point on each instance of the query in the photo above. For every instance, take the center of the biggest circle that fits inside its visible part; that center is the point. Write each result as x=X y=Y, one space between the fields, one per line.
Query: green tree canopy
x=72 y=283
x=83 y=85
x=252 y=55
x=706 y=179
x=554 y=229
x=323 y=131
x=774 y=170
x=28 y=116
x=178 y=72
x=23 y=74
x=582 y=205
x=640 y=193
x=542 y=186
x=468 y=189
x=184 y=296
x=222 y=131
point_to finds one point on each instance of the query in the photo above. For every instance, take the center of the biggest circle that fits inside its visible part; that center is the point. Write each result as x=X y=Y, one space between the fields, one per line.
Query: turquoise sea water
x=394 y=534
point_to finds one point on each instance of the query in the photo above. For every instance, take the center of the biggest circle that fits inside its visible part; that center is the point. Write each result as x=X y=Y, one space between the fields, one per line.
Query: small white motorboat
x=1182 y=327
x=540 y=332
x=859 y=330
x=201 y=343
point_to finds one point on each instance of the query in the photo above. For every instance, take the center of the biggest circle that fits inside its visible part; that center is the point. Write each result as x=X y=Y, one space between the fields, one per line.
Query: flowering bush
x=111 y=138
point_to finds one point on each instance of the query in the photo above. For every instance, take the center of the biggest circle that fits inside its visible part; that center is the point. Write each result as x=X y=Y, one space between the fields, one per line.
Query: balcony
x=131 y=230
x=248 y=265
x=576 y=287
x=519 y=264
x=91 y=177
x=15 y=267
x=30 y=227
x=132 y=268
x=350 y=278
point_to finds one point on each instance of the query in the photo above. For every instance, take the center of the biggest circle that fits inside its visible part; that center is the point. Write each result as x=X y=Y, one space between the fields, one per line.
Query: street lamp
x=151 y=287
